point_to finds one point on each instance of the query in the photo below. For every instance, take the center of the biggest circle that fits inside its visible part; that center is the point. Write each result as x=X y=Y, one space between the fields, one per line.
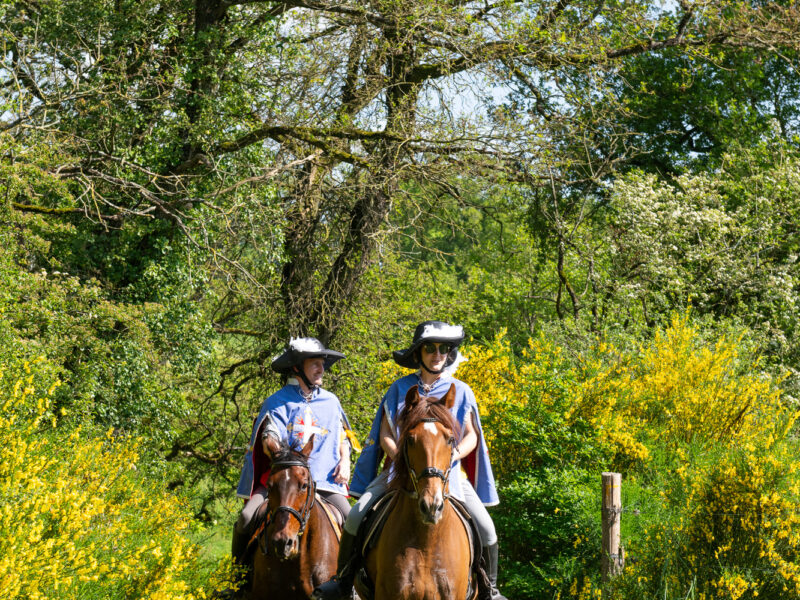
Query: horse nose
x=285 y=547
x=431 y=510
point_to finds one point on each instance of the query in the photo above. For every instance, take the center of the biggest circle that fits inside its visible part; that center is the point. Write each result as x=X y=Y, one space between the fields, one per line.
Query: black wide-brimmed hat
x=429 y=331
x=299 y=349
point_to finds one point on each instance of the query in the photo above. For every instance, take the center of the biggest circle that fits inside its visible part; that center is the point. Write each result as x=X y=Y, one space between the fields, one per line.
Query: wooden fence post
x=613 y=559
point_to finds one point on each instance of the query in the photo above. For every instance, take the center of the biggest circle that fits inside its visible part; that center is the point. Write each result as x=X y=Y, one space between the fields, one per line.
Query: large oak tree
x=281 y=140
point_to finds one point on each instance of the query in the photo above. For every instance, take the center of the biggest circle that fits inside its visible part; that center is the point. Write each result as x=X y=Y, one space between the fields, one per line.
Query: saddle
x=372 y=525
x=374 y=520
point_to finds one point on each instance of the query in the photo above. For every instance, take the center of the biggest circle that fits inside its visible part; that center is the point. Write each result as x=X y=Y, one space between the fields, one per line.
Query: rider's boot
x=490 y=555
x=340 y=587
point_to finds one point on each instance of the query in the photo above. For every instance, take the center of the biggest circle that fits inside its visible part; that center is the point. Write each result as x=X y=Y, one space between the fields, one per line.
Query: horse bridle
x=303 y=515
x=429 y=471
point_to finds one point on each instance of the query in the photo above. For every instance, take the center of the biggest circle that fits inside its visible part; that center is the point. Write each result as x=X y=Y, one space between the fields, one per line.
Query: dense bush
x=546 y=461
x=727 y=527
x=702 y=436
x=81 y=516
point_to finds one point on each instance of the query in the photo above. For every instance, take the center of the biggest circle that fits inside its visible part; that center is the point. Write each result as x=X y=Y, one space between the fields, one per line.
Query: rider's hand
x=341 y=474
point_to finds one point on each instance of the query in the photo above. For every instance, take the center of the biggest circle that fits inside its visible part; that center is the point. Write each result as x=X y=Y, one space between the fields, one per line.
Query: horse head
x=427 y=441
x=291 y=493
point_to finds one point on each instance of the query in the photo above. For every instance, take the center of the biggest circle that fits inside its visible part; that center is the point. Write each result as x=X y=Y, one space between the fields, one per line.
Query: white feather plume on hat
x=443 y=330
x=299 y=349
x=306 y=345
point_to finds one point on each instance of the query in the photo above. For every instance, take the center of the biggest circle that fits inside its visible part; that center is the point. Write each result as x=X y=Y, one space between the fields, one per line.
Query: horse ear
x=271 y=446
x=306 y=451
x=450 y=396
x=412 y=396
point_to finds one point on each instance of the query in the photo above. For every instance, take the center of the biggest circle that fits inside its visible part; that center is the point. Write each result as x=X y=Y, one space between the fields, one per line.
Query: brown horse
x=423 y=552
x=298 y=546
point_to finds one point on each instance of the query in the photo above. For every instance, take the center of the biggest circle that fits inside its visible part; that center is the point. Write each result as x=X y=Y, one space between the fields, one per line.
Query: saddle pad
x=329 y=509
x=374 y=520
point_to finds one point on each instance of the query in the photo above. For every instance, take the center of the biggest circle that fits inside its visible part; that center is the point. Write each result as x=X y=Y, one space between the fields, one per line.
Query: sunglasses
x=430 y=348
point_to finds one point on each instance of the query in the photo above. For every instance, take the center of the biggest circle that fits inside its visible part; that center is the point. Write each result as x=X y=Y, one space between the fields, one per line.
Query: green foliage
x=77 y=518
x=690 y=108
x=721 y=241
x=187 y=184
x=112 y=311
x=547 y=523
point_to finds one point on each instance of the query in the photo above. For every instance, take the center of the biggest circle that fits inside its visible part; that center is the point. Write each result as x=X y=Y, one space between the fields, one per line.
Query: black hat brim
x=290 y=358
x=406 y=358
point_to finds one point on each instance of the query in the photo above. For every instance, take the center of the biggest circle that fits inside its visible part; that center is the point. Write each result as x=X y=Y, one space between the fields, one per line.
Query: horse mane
x=412 y=415
x=287 y=453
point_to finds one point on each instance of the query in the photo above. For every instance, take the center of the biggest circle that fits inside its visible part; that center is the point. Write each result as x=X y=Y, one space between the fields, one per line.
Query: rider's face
x=432 y=356
x=314 y=368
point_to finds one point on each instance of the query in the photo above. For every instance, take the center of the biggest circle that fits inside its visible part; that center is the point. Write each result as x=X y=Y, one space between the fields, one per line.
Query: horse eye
x=304 y=486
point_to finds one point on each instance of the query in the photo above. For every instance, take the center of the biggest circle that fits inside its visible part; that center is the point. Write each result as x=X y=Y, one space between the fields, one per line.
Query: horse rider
x=434 y=351
x=296 y=412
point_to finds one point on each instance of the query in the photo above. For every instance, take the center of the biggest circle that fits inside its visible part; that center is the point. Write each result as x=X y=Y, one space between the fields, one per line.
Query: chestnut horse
x=297 y=548
x=423 y=552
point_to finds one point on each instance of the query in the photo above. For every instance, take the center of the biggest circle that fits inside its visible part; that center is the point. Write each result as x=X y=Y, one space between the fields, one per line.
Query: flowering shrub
x=716 y=237
x=729 y=528
x=77 y=519
x=676 y=390
x=702 y=436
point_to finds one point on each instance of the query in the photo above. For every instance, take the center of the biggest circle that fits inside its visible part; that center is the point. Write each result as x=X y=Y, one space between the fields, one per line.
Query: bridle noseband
x=429 y=471
x=303 y=514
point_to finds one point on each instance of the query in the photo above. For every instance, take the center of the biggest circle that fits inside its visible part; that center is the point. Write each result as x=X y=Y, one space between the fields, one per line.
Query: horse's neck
x=312 y=528
x=319 y=533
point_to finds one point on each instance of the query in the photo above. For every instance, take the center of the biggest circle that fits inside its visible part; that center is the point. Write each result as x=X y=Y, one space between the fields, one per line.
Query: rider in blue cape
x=296 y=412
x=476 y=464
x=434 y=351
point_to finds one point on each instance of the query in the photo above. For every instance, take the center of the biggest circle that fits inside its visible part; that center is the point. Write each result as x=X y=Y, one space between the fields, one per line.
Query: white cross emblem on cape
x=307 y=426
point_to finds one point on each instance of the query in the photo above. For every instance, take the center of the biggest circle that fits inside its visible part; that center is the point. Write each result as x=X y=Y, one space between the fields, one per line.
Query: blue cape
x=476 y=464
x=296 y=420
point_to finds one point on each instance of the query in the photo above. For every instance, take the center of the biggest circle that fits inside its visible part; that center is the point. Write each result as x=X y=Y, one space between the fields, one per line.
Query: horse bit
x=429 y=471
x=303 y=515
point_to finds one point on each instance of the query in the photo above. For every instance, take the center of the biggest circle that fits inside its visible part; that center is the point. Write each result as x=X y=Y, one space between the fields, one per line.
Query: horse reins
x=303 y=515
x=429 y=471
